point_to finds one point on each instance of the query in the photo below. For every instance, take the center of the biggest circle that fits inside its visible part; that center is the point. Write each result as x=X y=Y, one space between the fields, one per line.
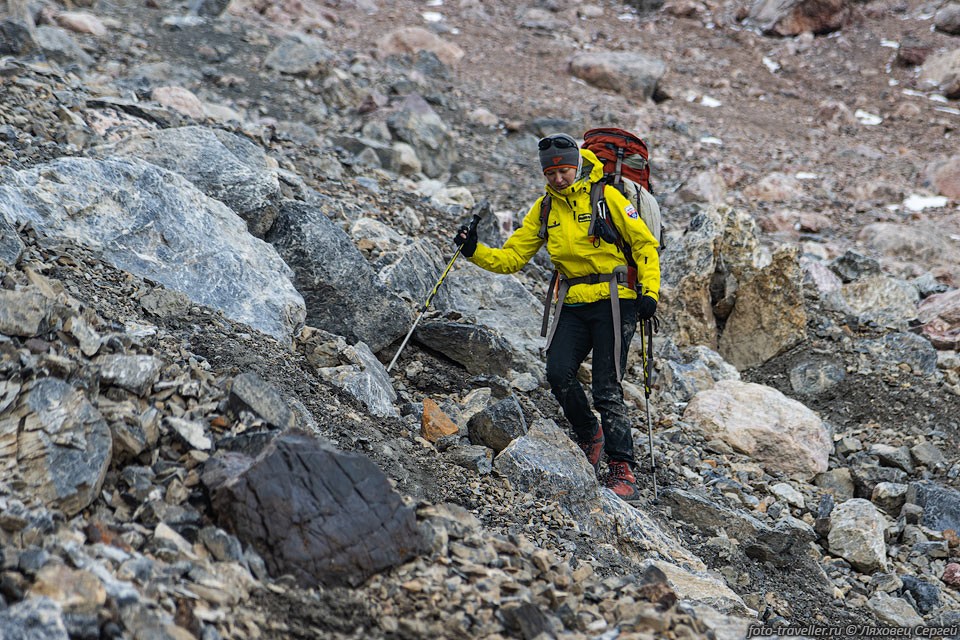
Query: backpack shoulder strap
x=595 y=197
x=545 y=204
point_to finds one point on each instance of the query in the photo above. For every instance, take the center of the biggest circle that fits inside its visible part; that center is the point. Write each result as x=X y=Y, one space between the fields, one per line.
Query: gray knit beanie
x=566 y=155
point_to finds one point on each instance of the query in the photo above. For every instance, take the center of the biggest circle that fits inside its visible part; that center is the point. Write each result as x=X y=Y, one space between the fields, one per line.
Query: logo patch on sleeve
x=631 y=212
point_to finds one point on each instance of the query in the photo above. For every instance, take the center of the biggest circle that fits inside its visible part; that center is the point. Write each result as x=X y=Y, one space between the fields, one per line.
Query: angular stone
x=223 y=546
x=793 y=17
x=857 y=531
x=57 y=443
x=435 y=423
x=893 y=456
x=342 y=292
x=634 y=75
x=365 y=378
x=890 y=497
x=300 y=55
x=895 y=612
x=927 y=455
x=250 y=392
x=769 y=315
x=546 y=462
x=851 y=266
x=941 y=505
x=816 y=376
x=498 y=425
x=885 y=300
x=477 y=348
x=155 y=224
x=193 y=433
x=925 y=594
x=25 y=312
x=474 y=457
x=135 y=373
x=918 y=246
x=324 y=516
x=11 y=246
x=702 y=588
x=761 y=422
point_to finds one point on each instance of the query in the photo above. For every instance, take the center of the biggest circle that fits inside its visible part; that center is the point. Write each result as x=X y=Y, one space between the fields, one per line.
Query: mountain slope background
x=820 y=140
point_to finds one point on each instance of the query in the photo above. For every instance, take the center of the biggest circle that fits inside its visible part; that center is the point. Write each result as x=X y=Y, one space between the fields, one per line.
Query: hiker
x=593 y=291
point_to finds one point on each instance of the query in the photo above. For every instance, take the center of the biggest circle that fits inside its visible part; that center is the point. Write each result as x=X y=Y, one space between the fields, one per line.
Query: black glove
x=466 y=239
x=646 y=307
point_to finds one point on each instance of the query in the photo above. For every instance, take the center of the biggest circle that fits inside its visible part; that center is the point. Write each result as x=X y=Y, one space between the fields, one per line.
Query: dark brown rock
x=316 y=513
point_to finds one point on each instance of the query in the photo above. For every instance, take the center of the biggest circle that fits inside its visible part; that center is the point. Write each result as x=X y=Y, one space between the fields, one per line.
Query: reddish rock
x=940 y=315
x=435 y=423
x=946 y=178
x=951 y=575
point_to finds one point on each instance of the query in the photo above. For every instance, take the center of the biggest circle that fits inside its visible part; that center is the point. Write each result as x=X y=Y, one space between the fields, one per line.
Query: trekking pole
x=646 y=349
x=436 y=287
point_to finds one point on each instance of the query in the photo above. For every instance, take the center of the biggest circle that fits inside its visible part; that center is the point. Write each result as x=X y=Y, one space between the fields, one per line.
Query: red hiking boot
x=593 y=447
x=621 y=481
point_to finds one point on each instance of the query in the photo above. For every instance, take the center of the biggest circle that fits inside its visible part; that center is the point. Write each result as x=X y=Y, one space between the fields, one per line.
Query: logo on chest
x=584 y=218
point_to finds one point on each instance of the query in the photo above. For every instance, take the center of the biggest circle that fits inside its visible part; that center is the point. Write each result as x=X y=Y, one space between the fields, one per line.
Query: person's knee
x=560 y=377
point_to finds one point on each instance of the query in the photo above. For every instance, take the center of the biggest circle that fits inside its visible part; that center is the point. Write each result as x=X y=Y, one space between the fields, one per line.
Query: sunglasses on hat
x=560 y=142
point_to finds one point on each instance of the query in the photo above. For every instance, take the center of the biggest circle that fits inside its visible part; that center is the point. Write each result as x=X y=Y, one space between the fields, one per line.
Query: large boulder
x=321 y=515
x=910 y=250
x=768 y=316
x=632 y=74
x=341 y=290
x=157 y=225
x=687 y=269
x=941 y=505
x=857 y=529
x=477 y=348
x=793 y=17
x=759 y=421
x=412 y=40
x=417 y=124
x=54 y=442
x=501 y=304
x=224 y=166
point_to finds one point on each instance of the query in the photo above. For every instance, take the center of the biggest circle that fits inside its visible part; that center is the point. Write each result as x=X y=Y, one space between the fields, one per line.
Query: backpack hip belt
x=560 y=284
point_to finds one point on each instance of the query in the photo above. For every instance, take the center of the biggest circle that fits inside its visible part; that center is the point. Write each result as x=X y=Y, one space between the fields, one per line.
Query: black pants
x=580 y=329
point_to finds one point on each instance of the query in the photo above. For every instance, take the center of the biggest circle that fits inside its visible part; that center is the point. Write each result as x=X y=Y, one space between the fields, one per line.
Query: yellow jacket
x=571 y=251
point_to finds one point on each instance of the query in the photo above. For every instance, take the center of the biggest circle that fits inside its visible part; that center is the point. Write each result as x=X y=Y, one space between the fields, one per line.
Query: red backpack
x=624 y=155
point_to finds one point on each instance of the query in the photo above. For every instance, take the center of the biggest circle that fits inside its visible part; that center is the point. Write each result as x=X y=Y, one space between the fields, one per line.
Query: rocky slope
x=218 y=222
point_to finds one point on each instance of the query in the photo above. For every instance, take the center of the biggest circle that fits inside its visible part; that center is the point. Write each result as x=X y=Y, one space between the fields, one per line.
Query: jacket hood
x=591 y=171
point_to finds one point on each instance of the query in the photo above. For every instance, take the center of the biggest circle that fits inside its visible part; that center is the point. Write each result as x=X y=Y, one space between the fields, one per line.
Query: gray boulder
x=941 y=505
x=58 y=45
x=324 y=516
x=155 y=224
x=224 y=166
x=417 y=124
x=342 y=292
x=477 y=348
x=633 y=74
